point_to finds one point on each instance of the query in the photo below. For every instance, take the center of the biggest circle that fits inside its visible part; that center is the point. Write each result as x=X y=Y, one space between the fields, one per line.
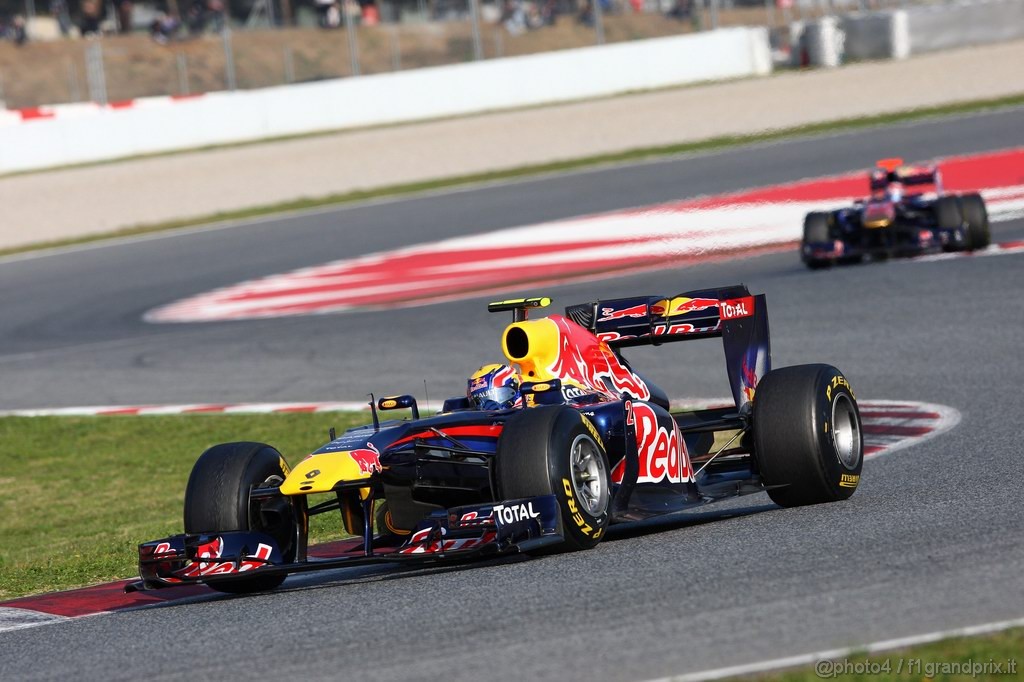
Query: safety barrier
x=61 y=135
x=897 y=34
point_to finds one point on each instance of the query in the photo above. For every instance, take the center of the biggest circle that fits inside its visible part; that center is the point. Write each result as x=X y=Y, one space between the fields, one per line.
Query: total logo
x=513 y=513
x=736 y=308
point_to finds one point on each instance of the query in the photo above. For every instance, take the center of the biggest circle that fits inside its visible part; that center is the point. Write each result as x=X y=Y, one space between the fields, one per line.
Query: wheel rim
x=589 y=475
x=846 y=431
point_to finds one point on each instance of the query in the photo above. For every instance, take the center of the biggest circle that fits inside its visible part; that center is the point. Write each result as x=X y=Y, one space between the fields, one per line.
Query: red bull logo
x=662 y=454
x=367 y=458
x=609 y=314
x=682 y=305
x=589 y=363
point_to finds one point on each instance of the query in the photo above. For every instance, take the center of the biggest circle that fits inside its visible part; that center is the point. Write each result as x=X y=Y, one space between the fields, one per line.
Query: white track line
x=12 y=618
x=832 y=654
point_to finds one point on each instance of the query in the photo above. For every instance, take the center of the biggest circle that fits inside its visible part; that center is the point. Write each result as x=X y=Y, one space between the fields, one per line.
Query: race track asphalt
x=933 y=538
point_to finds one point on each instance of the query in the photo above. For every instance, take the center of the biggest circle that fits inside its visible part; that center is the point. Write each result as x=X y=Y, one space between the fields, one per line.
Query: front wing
x=458 y=533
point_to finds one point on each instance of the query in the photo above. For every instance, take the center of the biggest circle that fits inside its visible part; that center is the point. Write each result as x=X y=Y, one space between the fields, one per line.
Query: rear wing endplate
x=732 y=312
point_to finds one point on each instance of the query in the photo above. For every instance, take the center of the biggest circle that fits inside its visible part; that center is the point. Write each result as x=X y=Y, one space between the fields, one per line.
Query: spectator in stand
x=124 y=9
x=371 y=15
x=17 y=31
x=195 y=17
x=59 y=11
x=329 y=13
x=92 y=13
x=513 y=17
x=164 y=28
x=215 y=14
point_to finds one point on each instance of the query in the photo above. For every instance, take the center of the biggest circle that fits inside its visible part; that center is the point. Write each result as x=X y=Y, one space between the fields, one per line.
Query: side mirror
x=399 y=402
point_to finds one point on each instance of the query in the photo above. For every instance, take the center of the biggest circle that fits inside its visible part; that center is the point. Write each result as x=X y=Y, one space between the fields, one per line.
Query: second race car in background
x=907 y=214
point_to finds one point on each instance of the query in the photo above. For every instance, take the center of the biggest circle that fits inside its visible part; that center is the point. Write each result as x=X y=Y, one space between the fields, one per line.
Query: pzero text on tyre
x=556 y=450
x=217 y=500
x=807 y=435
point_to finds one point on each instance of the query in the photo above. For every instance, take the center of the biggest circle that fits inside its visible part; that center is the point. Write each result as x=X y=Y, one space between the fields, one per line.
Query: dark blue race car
x=584 y=441
x=907 y=214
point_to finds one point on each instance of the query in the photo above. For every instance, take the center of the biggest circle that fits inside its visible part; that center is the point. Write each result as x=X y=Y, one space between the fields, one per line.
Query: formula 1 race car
x=588 y=442
x=894 y=222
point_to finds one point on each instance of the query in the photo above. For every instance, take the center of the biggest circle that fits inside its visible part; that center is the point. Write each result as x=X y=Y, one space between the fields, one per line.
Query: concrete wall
x=76 y=134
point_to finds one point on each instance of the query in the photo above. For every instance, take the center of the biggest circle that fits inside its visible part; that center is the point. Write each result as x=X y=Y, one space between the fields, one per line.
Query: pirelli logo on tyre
x=574 y=512
x=837 y=381
x=849 y=480
x=593 y=430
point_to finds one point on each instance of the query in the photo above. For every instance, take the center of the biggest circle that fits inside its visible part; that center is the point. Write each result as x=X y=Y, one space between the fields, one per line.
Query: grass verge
x=958 y=658
x=639 y=154
x=81 y=492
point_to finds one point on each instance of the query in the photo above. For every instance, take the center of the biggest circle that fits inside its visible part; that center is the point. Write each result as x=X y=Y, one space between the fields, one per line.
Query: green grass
x=934 y=661
x=711 y=144
x=81 y=492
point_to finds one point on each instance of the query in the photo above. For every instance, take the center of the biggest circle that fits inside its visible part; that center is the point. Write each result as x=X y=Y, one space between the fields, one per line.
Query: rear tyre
x=972 y=207
x=217 y=500
x=807 y=435
x=949 y=219
x=817 y=230
x=555 y=450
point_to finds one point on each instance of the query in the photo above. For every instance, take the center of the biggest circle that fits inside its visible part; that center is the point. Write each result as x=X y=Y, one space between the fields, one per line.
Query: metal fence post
x=350 y=35
x=229 y=60
x=289 y=65
x=74 y=89
x=474 y=15
x=499 y=42
x=396 y=48
x=94 y=73
x=714 y=14
x=183 y=84
x=598 y=21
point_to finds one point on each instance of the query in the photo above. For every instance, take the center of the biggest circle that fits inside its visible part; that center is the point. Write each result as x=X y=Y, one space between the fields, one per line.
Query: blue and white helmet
x=494 y=387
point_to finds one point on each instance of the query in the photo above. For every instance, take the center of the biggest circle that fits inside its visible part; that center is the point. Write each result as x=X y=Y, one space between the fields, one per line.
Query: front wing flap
x=458 y=533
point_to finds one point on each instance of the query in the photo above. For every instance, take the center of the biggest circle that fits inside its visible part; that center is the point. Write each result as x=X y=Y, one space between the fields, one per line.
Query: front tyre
x=807 y=435
x=217 y=500
x=556 y=450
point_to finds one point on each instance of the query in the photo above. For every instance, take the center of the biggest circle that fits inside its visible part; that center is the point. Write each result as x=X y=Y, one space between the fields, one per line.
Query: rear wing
x=741 y=319
x=893 y=170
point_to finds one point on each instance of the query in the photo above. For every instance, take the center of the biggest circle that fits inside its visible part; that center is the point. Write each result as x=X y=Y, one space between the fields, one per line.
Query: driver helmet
x=894 y=191
x=494 y=387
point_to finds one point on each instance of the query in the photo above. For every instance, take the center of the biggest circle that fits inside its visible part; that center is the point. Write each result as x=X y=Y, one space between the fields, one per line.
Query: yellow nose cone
x=319 y=473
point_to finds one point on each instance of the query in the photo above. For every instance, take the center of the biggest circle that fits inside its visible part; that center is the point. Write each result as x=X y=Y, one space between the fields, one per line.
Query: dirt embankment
x=136 y=66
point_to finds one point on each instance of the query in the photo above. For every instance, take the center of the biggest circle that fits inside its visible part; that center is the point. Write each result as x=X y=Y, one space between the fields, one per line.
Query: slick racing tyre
x=807 y=435
x=555 y=449
x=817 y=230
x=948 y=218
x=217 y=500
x=972 y=207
